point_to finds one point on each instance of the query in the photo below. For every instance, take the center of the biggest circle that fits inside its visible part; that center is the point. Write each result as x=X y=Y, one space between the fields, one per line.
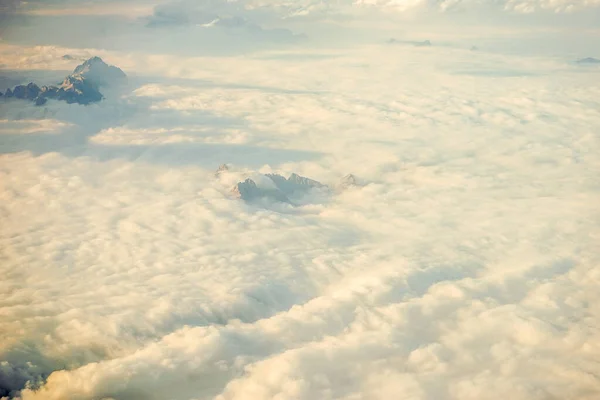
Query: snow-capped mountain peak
x=99 y=73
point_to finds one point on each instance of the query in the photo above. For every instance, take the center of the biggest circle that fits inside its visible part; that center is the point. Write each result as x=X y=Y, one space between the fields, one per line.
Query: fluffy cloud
x=463 y=267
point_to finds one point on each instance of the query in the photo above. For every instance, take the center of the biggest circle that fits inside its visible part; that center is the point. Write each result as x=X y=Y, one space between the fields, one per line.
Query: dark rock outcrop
x=295 y=185
x=26 y=92
x=248 y=191
x=348 y=181
x=221 y=170
x=77 y=89
x=295 y=190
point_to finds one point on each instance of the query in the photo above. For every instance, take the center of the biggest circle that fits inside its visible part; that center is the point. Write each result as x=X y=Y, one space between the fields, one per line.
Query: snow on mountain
x=81 y=87
x=275 y=187
x=96 y=71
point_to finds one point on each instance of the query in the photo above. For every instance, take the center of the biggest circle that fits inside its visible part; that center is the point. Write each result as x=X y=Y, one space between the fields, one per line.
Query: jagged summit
x=348 y=181
x=100 y=73
x=298 y=180
x=88 y=63
x=81 y=87
x=294 y=183
x=295 y=190
x=249 y=191
x=221 y=170
x=294 y=186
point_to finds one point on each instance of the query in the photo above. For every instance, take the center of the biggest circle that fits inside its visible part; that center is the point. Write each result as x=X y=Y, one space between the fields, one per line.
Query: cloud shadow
x=74 y=140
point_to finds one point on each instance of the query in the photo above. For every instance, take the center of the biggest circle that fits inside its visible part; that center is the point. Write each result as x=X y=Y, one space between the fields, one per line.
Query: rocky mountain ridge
x=277 y=188
x=80 y=87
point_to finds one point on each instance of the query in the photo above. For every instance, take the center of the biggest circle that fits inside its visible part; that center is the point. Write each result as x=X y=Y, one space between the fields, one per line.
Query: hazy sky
x=462 y=265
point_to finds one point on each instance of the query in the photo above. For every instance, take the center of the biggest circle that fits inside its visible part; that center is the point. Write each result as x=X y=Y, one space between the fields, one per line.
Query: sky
x=462 y=264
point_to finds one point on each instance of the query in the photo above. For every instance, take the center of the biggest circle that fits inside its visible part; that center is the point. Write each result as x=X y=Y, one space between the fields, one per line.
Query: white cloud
x=129 y=136
x=524 y=6
x=463 y=268
x=528 y=6
x=129 y=9
x=31 y=126
x=307 y=8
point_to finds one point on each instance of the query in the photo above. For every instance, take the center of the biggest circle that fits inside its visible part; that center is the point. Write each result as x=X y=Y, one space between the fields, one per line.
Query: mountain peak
x=222 y=169
x=279 y=189
x=96 y=71
x=348 y=181
x=82 y=86
x=94 y=60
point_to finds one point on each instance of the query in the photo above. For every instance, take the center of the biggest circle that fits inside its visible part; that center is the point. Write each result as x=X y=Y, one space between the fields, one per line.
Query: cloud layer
x=305 y=8
x=464 y=265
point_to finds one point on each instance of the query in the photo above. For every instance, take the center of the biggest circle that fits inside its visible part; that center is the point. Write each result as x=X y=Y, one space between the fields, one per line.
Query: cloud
x=462 y=267
x=528 y=6
x=20 y=127
x=226 y=16
x=76 y=7
x=123 y=10
x=183 y=134
x=521 y=6
x=181 y=10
